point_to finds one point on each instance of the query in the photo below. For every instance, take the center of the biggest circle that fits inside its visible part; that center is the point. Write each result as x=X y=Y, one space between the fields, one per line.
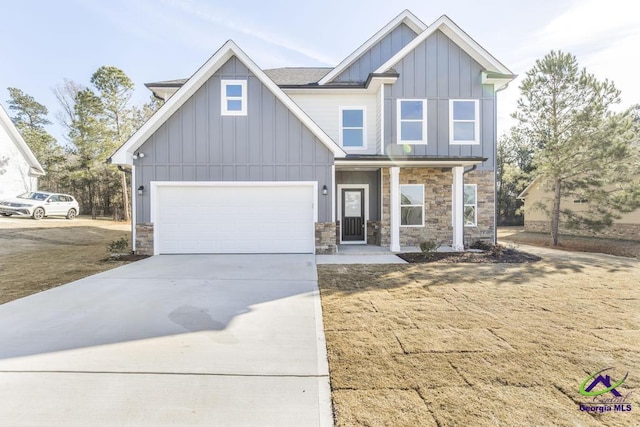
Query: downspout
x=495 y=165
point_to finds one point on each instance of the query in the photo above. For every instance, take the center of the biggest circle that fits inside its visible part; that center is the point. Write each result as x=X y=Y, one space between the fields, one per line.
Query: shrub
x=119 y=246
x=428 y=246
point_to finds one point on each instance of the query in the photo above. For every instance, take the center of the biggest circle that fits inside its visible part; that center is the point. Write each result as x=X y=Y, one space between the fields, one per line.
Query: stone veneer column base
x=144 y=238
x=325 y=238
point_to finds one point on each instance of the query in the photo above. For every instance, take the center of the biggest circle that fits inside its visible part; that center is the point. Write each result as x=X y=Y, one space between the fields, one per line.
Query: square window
x=352 y=127
x=464 y=121
x=412 y=121
x=412 y=205
x=233 y=97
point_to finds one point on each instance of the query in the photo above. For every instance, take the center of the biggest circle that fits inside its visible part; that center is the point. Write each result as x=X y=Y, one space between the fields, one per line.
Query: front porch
x=396 y=208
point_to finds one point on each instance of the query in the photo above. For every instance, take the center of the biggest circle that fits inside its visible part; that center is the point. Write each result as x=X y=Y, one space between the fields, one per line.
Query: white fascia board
x=36 y=168
x=124 y=154
x=406 y=17
x=458 y=36
x=405 y=163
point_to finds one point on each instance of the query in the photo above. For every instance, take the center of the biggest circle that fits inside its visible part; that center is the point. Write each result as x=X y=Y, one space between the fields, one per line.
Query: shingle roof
x=297 y=76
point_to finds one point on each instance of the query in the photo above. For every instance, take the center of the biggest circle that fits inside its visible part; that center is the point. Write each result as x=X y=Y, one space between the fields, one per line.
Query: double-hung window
x=412 y=205
x=412 y=121
x=233 y=97
x=470 y=216
x=464 y=121
x=352 y=127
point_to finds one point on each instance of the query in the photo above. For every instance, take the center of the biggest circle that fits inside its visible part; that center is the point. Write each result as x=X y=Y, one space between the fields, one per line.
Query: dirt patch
x=481 y=344
x=625 y=248
x=498 y=255
x=39 y=255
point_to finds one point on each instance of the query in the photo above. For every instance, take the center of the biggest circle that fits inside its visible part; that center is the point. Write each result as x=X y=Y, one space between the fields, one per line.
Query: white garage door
x=194 y=218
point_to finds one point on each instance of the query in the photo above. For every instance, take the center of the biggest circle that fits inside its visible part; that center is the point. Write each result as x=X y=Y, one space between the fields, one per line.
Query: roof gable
x=124 y=154
x=23 y=148
x=458 y=36
x=406 y=17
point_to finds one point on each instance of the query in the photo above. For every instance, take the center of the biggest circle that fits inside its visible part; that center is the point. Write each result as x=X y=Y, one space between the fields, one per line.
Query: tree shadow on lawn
x=552 y=268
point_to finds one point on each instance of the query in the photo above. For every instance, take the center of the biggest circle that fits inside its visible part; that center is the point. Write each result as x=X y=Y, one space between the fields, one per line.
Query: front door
x=353 y=215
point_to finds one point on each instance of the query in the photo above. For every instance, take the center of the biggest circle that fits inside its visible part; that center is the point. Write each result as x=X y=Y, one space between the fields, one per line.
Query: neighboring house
x=537 y=199
x=19 y=168
x=394 y=146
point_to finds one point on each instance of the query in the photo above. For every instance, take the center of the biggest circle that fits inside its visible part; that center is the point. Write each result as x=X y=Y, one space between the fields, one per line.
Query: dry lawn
x=38 y=255
x=481 y=344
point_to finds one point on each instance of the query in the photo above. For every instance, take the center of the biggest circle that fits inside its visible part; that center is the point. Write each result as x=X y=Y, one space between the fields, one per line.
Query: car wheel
x=6 y=214
x=38 y=213
x=71 y=214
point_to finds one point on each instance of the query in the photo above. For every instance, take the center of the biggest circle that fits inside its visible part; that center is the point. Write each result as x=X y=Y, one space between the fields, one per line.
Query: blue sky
x=44 y=42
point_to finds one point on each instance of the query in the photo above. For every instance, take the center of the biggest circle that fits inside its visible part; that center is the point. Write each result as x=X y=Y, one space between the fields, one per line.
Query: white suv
x=38 y=204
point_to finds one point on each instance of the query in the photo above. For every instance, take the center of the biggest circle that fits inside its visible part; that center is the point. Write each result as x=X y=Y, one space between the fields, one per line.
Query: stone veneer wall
x=144 y=238
x=437 y=194
x=616 y=231
x=373 y=232
x=325 y=238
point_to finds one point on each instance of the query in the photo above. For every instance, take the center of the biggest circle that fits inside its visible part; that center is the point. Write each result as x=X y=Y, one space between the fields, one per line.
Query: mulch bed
x=503 y=255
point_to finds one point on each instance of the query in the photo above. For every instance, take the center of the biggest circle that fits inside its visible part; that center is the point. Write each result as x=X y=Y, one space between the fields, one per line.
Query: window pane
x=411 y=131
x=469 y=194
x=352 y=138
x=234 y=105
x=411 y=215
x=411 y=110
x=234 y=90
x=352 y=118
x=411 y=195
x=464 y=110
x=465 y=131
x=469 y=215
x=352 y=204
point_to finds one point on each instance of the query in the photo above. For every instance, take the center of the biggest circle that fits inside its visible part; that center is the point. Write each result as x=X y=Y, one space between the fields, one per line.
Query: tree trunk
x=555 y=214
x=125 y=196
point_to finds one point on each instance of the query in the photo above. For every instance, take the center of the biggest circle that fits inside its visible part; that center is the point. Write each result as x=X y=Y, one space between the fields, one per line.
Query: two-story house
x=394 y=146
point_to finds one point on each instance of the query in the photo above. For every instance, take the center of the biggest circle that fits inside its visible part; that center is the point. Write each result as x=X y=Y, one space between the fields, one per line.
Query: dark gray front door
x=353 y=215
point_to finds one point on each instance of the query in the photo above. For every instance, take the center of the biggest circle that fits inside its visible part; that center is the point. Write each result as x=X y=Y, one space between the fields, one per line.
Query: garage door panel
x=235 y=219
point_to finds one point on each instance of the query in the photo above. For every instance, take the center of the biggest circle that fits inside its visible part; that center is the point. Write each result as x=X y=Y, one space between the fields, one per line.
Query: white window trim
x=476 y=121
x=364 y=127
x=475 y=205
x=224 y=98
x=401 y=205
x=399 y=122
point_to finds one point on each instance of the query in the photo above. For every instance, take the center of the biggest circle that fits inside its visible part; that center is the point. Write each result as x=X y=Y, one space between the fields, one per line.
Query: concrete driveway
x=170 y=340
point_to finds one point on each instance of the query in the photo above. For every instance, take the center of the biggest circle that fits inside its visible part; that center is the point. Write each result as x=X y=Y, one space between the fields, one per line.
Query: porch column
x=394 y=208
x=457 y=208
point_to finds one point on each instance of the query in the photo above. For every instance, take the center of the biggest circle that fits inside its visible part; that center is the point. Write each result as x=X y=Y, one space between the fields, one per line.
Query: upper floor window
x=352 y=127
x=412 y=121
x=464 y=123
x=470 y=205
x=234 y=97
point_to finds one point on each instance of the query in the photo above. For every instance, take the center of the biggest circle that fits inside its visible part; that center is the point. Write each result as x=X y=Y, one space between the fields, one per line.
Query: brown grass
x=488 y=344
x=625 y=248
x=39 y=255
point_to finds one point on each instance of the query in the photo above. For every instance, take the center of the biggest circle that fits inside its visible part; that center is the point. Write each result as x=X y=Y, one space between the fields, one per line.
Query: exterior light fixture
x=140 y=190
x=138 y=155
x=325 y=190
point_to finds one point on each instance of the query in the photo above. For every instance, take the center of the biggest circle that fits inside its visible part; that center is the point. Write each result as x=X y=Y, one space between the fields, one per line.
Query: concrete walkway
x=170 y=340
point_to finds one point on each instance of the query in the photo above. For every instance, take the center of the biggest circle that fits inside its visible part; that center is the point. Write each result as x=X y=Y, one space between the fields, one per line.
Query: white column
x=457 y=208
x=394 y=207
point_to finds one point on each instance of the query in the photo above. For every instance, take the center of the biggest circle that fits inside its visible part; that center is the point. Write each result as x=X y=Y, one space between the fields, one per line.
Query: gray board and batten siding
x=378 y=54
x=439 y=70
x=372 y=178
x=268 y=144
